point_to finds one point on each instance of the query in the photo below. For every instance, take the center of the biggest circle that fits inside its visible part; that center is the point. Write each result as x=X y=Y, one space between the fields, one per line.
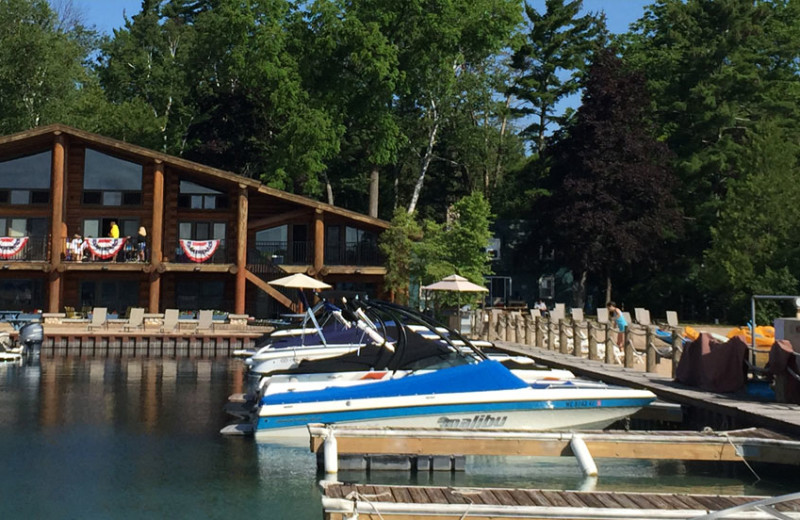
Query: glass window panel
x=209 y=201
x=92 y=197
x=197 y=202
x=202 y=231
x=20 y=196
x=219 y=230
x=38 y=227
x=4 y=196
x=91 y=228
x=276 y=234
x=3 y=227
x=129 y=227
x=112 y=198
x=40 y=197
x=185 y=230
x=332 y=235
x=31 y=172
x=19 y=227
x=132 y=198
x=104 y=172
x=184 y=201
x=196 y=189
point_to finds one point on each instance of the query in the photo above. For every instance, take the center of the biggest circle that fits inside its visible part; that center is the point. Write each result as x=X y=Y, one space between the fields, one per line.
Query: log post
x=551 y=335
x=490 y=327
x=609 y=345
x=677 y=350
x=577 y=350
x=156 y=237
x=537 y=331
x=563 y=344
x=241 y=251
x=592 y=340
x=650 y=350
x=529 y=324
x=319 y=241
x=502 y=323
x=627 y=341
x=57 y=238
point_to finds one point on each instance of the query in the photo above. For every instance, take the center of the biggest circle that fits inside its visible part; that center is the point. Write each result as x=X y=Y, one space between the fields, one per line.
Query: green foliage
x=397 y=246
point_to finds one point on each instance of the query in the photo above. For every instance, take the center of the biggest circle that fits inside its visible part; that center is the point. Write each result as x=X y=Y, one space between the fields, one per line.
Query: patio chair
x=135 y=320
x=69 y=312
x=602 y=315
x=204 y=320
x=642 y=316
x=170 y=320
x=99 y=318
x=672 y=319
x=577 y=314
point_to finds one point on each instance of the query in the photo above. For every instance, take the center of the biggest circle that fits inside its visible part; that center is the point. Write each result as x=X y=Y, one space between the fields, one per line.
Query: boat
x=483 y=395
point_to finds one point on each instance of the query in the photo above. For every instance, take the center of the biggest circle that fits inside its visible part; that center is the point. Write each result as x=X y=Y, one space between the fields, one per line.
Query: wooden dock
x=373 y=502
x=720 y=411
x=751 y=445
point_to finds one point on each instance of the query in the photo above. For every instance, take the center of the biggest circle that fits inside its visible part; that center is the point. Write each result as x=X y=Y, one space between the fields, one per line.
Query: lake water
x=140 y=439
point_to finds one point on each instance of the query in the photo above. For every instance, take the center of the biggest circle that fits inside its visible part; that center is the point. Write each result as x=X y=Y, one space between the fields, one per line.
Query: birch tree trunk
x=374 y=187
x=426 y=159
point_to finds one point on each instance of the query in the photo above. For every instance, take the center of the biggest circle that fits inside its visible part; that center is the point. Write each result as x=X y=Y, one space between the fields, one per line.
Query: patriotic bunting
x=199 y=250
x=11 y=246
x=105 y=247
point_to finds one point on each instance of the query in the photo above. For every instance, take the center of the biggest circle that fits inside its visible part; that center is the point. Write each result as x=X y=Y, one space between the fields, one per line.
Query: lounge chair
x=642 y=316
x=99 y=318
x=135 y=320
x=602 y=315
x=205 y=321
x=672 y=319
x=170 y=320
x=577 y=314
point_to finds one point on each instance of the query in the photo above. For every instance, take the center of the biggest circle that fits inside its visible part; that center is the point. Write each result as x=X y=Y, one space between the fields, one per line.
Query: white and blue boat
x=483 y=396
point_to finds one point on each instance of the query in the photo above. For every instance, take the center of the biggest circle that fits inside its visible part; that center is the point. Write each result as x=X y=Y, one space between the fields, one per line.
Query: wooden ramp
x=368 y=502
x=752 y=445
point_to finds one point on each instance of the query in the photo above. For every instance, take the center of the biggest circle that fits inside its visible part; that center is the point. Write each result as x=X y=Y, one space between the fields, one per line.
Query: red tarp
x=781 y=358
x=712 y=365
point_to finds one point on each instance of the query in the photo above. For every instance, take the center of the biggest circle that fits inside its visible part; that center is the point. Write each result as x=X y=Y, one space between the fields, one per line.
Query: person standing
x=141 y=244
x=114 y=231
x=615 y=315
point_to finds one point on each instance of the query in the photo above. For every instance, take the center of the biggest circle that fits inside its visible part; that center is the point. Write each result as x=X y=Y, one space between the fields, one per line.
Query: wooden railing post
x=551 y=341
x=529 y=324
x=677 y=350
x=563 y=345
x=627 y=341
x=650 y=350
x=592 y=340
x=490 y=327
x=576 y=340
x=502 y=327
x=537 y=331
x=609 y=346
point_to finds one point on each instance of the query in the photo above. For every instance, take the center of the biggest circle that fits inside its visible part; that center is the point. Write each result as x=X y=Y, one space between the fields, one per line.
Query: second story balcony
x=24 y=249
x=353 y=253
x=203 y=252
x=281 y=253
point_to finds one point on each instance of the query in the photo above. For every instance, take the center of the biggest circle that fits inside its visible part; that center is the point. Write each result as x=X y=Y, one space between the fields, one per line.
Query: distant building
x=213 y=238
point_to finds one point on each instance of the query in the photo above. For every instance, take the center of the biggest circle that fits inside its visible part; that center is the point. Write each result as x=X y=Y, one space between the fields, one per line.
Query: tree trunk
x=328 y=188
x=579 y=291
x=374 y=186
x=608 y=288
x=426 y=160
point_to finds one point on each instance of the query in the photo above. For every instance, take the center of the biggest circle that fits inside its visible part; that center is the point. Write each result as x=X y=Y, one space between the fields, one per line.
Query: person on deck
x=141 y=244
x=114 y=231
x=76 y=246
x=616 y=316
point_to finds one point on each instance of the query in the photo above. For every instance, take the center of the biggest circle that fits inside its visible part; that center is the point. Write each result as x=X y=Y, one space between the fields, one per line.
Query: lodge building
x=213 y=239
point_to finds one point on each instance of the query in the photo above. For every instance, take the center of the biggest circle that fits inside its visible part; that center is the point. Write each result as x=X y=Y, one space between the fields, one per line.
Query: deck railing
x=298 y=252
x=353 y=253
x=34 y=251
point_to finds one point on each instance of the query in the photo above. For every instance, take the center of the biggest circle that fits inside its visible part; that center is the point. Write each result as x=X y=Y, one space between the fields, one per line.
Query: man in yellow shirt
x=114 y=233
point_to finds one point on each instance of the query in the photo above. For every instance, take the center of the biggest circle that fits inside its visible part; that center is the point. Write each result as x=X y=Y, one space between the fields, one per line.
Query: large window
x=201 y=230
x=25 y=180
x=195 y=196
x=110 y=181
x=101 y=227
x=115 y=295
x=193 y=296
x=22 y=294
x=23 y=227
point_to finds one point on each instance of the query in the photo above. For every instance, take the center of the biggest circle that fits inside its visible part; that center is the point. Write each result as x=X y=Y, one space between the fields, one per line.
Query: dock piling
x=331 y=453
x=582 y=455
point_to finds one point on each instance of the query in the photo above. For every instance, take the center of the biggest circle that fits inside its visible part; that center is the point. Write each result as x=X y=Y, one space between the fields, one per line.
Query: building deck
x=741 y=410
x=341 y=501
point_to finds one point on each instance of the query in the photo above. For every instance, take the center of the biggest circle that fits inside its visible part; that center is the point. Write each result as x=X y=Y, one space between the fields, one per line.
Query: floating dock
x=719 y=411
x=367 y=502
x=358 y=446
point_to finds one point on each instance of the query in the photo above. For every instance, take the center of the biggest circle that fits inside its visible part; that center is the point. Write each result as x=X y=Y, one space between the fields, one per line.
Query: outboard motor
x=31 y=337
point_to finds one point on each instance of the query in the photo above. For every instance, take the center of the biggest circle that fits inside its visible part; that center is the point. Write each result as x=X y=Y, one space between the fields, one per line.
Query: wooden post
x=576 y=340
x=502 y=327
x=650 y=350
x=157 y=237
x=529 y=324
x=319 y=241
x=537 y=331
x=490 y=327
x=627 y=341
x=677 y=350
x=551 y=336
x=57 y=238
x=563 y=345
x=592 y=340
x=609 y=346
x=241 y=251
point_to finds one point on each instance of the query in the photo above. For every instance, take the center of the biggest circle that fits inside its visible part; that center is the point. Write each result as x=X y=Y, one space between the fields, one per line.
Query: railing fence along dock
x=592 y=339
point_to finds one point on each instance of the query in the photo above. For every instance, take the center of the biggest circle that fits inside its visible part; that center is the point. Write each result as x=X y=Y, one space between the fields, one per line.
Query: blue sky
x=108 y=14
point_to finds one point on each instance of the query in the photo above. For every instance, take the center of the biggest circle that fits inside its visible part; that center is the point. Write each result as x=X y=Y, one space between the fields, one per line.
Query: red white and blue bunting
x=11 y=246
x=199 y=250
x=104 y=247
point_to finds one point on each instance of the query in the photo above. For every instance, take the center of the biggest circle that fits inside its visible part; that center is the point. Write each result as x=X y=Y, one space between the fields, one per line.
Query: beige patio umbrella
x=455 y=283
x=299 y=281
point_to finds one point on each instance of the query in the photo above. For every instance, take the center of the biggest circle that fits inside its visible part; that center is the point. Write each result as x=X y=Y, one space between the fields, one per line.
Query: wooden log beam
x=156 y=237
x=278 y=220
x=319 y=241
x=241 y=251
x=57 y=238
x=264 y=286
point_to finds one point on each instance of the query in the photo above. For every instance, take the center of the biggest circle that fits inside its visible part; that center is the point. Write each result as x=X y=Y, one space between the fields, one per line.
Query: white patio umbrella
x=299 y=281
x=455 y=283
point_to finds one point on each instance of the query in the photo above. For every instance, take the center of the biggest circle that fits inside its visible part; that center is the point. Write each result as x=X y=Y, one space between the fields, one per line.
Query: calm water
x=140 y=439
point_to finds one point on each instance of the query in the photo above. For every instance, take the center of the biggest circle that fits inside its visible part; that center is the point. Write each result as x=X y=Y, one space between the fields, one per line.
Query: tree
x=397 y=246
x=754 y=247
x=551 y=61
x=611 y=200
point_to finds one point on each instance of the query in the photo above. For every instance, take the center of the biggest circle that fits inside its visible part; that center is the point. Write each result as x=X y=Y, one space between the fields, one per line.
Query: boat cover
x=712 y=365
x=479 y=377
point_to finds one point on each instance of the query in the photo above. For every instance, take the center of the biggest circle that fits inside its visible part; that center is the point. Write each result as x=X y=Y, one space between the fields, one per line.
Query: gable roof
x=38 y=135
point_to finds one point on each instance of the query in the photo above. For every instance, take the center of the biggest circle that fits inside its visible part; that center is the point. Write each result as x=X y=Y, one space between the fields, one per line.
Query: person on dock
x=615 y=315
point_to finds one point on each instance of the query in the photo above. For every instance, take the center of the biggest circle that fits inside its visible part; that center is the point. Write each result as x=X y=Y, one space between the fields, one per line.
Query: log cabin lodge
x=213 y=239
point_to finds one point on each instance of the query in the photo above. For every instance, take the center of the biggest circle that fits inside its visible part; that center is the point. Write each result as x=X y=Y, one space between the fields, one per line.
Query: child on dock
x=615 y=315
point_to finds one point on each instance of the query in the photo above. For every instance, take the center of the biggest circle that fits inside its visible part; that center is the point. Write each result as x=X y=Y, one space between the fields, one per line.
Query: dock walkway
x=742 y=410
x=368 y=502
